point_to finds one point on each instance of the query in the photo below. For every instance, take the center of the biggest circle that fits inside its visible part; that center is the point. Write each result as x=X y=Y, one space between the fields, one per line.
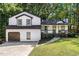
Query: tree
x=45 y=11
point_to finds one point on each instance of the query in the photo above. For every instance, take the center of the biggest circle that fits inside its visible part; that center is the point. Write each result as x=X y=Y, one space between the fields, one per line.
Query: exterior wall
x=50 y=27
x=66 y=27
x=35 y=34
x=58 y=27
x=35 y=20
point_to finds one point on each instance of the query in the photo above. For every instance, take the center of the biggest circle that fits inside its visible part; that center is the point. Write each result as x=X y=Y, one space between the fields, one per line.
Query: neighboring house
x=55 y=26
x=28 y=27
x=24 y=27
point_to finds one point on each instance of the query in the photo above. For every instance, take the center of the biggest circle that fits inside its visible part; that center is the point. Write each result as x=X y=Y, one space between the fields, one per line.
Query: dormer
x=24 y=19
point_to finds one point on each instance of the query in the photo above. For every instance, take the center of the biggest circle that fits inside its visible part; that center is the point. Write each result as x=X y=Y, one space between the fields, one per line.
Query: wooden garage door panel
x=13 y=36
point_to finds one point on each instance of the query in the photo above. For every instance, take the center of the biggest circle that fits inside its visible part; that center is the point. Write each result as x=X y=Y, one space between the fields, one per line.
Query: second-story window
x=28 y=22
x=19 y=22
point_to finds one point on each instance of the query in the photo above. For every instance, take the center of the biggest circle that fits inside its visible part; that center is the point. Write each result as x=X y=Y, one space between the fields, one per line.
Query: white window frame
x=30 y=22
x=19 y=24
x=28 y=34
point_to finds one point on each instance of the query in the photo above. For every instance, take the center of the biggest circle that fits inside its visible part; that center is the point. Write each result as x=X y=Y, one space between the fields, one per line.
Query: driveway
x=16 y=48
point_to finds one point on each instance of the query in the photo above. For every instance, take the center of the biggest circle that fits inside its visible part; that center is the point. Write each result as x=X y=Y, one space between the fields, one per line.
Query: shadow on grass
x=76 y=43
x=45 y=40
x=62 y=39
x=42 y=41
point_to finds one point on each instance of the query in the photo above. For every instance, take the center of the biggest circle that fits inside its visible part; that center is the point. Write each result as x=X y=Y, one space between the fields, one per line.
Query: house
x=55 y=27
x=24 y=27
x=28 y=27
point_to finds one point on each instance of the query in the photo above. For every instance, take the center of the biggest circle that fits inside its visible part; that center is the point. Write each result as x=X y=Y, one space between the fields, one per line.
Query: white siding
x=35 y=34
x=12 y=21
x=35 y=20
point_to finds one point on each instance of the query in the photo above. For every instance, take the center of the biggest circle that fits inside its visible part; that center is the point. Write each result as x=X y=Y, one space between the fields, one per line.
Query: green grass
x=63 y=47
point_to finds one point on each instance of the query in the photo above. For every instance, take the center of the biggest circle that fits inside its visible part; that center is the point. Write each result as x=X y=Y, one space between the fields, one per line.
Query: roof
x=24 y=13
x=23 y=27
x=54 y=22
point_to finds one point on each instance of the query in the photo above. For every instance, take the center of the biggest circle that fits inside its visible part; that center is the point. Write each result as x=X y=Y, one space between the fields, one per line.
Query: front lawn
x=63 y=47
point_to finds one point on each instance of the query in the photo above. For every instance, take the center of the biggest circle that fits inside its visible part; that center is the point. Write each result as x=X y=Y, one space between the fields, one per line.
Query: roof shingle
x=53 y=22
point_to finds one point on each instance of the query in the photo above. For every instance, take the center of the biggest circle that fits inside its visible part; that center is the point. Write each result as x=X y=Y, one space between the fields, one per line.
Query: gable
x=23 y=17
x=24 y=14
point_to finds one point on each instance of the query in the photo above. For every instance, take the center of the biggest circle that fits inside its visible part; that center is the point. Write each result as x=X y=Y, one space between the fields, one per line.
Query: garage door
x=13 y=36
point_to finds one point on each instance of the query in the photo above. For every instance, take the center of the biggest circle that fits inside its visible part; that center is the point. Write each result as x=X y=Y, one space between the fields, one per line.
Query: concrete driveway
x=16 y=48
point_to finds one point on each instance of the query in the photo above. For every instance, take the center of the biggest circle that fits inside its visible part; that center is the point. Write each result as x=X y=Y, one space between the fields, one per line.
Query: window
x=28 y=22
x=28 y=35
x=46 y=27
x=62 y=27
x=54 y=27
x=19 y=22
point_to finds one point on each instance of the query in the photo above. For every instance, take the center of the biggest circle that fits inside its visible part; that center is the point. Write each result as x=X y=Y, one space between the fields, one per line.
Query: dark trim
x=55 y=24
x=52 y=30
x=26 y=12
x=25 y=15
x=24 y=27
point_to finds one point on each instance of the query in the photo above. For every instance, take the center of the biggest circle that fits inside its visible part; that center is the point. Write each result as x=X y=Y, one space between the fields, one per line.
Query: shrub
x=47 y=36
x=71 y=34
